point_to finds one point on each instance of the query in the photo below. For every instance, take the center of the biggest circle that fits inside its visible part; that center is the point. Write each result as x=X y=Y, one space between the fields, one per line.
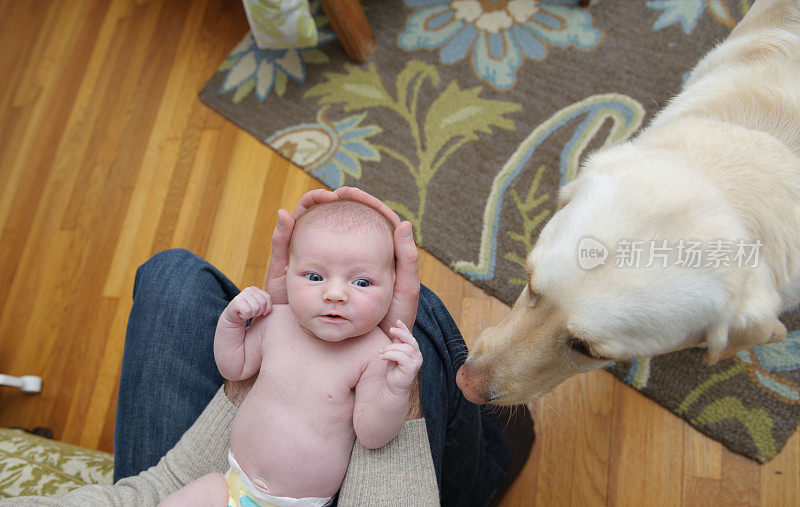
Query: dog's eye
x=580 y=347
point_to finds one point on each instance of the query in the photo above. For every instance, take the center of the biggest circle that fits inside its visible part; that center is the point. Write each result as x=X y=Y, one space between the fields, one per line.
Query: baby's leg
x=209 y=490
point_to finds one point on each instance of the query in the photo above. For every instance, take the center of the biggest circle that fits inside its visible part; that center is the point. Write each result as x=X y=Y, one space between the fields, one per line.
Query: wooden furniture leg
x=351 y=26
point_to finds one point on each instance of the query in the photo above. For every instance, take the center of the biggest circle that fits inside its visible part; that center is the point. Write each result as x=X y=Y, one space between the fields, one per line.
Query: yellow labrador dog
x=687 y=235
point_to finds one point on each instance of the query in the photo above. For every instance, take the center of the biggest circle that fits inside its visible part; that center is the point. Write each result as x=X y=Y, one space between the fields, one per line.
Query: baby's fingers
x=264 y=303
x=252 y=302
x=401 y=333
x=248 y=308
x=399 y=357
x=237 y=311
x=400 y=347
x=403 y=354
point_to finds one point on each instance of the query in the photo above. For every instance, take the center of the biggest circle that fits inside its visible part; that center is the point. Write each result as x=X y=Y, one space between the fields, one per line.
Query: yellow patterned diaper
x=238 y=495
x=243 y=493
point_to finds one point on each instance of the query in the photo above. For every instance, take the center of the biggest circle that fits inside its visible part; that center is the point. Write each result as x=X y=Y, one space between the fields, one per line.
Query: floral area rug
x=467 y=119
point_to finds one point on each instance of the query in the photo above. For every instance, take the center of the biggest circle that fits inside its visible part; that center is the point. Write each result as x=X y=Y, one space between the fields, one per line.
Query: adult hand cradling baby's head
x=406 y=287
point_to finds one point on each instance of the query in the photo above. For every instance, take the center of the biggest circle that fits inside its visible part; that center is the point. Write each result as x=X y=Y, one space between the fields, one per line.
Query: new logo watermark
x=591 y=253
x=633 y=253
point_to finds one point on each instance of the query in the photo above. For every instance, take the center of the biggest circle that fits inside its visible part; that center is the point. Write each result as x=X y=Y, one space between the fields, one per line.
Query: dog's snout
x=474 y=385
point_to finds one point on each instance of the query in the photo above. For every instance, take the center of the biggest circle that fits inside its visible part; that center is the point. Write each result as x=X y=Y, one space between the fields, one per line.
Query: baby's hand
x=251 y=302
x=403 y=359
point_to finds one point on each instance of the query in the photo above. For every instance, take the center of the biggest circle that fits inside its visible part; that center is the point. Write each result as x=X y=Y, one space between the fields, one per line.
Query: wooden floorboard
x=107 y=156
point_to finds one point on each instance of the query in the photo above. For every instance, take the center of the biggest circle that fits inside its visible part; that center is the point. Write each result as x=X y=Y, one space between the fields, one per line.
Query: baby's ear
x=723 y=343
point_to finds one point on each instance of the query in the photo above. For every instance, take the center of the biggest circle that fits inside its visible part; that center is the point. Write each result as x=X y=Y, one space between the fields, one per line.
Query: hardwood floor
x=107 y=156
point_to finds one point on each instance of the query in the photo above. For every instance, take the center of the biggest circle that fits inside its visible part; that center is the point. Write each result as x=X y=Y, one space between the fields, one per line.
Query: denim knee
x=162 y=267
x=179 y=277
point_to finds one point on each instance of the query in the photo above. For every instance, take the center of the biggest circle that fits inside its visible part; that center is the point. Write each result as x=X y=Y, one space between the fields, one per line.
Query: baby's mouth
x=333 y=316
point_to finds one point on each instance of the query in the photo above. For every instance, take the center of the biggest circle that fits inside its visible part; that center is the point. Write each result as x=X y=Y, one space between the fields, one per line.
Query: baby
x=327 y=373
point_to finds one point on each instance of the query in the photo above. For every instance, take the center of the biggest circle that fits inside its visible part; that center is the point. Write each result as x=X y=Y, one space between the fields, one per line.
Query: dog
x=718 y=167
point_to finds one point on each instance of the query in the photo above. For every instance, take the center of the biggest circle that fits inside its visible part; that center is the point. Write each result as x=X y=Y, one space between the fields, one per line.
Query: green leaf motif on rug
x=756 y=421
x=358 y=88
x=642 y=373
x=530 y=223
x=707 y=384
x=454 y=118
x=626 y=115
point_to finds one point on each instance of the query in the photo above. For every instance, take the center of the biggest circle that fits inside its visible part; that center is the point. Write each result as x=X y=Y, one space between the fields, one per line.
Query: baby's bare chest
x=295 y=364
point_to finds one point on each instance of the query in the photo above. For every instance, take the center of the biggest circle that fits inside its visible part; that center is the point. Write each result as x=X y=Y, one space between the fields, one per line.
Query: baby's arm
x=382 y=392
x=237 y=349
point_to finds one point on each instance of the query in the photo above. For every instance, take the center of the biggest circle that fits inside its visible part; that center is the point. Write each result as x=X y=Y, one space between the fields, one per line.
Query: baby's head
x=341 y=269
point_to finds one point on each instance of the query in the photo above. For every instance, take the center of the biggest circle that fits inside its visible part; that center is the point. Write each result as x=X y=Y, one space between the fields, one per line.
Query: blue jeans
x=169 y=376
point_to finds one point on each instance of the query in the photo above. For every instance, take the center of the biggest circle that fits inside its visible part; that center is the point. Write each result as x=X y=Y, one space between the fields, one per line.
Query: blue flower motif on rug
x=329 y=150
x=498 y=34
x=249 y=67
x=777 y=357
x=688 y=12
x=765 y=361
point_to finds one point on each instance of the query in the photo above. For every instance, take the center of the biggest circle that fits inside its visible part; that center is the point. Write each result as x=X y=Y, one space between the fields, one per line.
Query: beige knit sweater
x=399 y=473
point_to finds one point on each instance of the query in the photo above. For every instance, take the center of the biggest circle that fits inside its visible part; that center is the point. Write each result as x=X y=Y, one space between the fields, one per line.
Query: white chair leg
x=25 y=383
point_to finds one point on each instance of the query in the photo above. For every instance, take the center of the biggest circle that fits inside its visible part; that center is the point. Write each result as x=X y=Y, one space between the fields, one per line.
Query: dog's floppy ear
x=723 y=343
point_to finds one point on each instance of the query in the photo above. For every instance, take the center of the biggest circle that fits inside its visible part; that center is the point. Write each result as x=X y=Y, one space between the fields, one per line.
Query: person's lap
x=169 y=376
x=168 y=370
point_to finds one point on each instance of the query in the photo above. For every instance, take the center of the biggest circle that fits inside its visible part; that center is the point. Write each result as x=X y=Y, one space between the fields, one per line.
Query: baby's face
x=339 y=284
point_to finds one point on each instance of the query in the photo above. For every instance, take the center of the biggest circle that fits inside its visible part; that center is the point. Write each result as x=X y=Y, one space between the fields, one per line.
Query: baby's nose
x=335 y=292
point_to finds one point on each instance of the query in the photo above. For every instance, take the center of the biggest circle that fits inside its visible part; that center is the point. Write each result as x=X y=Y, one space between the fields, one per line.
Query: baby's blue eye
x=313 y=277
x=362 y=283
